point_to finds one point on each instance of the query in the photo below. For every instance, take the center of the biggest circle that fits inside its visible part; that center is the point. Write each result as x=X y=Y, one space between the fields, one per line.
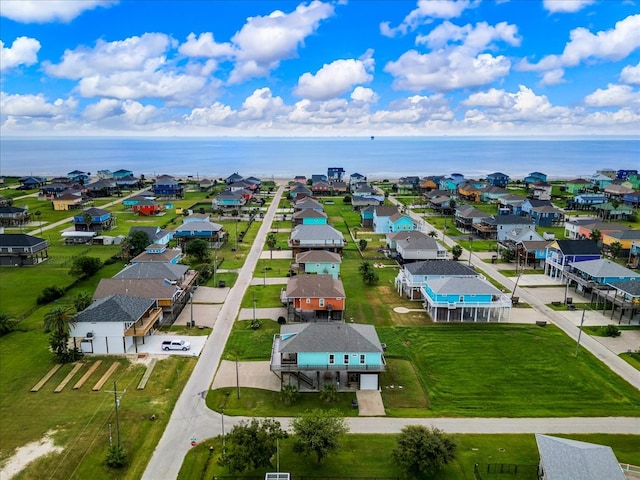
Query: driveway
x=250 y=374
x=277 y=254
x=370 y=403
x=271 y=313
x=153 y=345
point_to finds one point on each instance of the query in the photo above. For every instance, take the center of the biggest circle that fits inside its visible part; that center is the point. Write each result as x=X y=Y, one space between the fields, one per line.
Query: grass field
x=370 y=455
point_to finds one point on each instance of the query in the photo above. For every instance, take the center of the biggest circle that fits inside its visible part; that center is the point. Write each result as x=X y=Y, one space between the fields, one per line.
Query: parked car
x=175 y=344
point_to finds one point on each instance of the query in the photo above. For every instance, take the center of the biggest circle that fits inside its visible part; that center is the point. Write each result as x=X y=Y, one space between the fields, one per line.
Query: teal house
x=465 y=299
x=346 y=355
x=401 y=223
x=366 y=216
x=318 y=261
x=228 y=199
x=309 y=216
x=601 y=271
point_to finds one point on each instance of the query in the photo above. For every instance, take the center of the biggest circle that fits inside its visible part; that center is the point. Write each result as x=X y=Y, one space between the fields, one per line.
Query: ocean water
x=382 y=157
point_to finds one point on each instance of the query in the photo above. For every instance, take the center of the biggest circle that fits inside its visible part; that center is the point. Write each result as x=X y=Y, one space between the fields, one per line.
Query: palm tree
x=8 y=323
x=272 y=241
x=595 y=235
x=87 y=220
x=37 y=214
x=58 y=323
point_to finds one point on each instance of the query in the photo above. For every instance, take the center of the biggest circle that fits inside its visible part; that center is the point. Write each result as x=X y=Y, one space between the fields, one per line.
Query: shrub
x=612 y=331
x=329 y=394
x=49 y=294
x=289 y=394
x=282 y=320
x=116 y=456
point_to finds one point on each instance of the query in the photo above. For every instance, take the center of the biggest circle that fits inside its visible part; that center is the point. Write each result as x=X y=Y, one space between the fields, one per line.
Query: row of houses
x=238 y=191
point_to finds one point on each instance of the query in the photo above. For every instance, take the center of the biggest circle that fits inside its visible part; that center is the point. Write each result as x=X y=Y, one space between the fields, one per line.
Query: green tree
x=507 y=255
x=433 y=234
x=595 y=235
x=137 y=241
x=422 y=451
x=289 y=393
x=81 y=301
x=58 y=322
x=8 y=323
x=368 y=273
x=84 y=266
x=362 y=243
x=614 y=249
x=456 y=252
x=329 y=394
x=318 y=432
x=87 y=218
x=271 y=241
x=251 y=445
x=199 y=249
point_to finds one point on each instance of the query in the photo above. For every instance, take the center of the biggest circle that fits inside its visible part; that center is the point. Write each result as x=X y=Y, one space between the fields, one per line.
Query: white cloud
x=417 y=109
x=205 y=46
x=335 y=78
x=425 y=11
x=133 y=53
x=565 y=6
x=23 y=51
x=39 y=11
x=216 y=114
x=102 y=109
x=34 y=106
x=449 y=66
x=263 y=106
x=364 y=95
x=265 y=41
x=609 y=45
x=493 y=98
x=553 y=77
x=631 y=74
x=612 y=96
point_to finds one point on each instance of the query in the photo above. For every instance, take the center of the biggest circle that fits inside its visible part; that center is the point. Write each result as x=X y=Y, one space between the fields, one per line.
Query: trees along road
x=191 y=419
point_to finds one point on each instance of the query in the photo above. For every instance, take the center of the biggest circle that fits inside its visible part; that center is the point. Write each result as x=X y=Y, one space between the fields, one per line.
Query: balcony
x=144 y=324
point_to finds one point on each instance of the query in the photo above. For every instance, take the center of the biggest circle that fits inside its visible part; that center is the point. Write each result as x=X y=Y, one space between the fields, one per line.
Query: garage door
x=368 y=382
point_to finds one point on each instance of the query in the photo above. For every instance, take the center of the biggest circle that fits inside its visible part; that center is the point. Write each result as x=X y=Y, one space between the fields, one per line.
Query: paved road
x=609 y=358
x=192 y=419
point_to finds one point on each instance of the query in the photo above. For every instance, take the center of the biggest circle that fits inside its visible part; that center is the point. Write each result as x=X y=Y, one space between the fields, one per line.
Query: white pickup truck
x=175 y=344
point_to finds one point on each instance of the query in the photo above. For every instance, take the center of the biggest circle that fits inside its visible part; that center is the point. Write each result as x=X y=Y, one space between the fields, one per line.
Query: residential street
x=191 y=419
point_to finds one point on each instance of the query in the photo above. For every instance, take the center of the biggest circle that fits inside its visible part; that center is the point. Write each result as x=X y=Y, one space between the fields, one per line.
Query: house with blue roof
x=585 y=201
x=122 y=173
x=167 y=186
x=335 y=174
x=194 y=229
x=93 y=220
x=498 y=179
x=535 y=177
x=563 y=253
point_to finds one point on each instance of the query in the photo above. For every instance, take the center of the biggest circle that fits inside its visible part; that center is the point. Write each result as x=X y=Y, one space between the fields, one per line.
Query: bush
x=612 y=331
x=289 y=394
x=329 y=394
x=110 y=261
x=282 y=320
x=49 y=294
x=116 y=457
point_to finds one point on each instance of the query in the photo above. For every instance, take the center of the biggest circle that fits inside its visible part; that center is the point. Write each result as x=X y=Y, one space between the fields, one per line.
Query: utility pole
x=580 y=332
x=116 y=401
x=215 y=269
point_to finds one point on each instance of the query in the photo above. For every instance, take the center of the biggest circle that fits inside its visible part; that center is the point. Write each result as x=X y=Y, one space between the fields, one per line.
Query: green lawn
x=249 y=344
x=370 y=455
x=265 y=297
x=272 y=268
x=632 y=358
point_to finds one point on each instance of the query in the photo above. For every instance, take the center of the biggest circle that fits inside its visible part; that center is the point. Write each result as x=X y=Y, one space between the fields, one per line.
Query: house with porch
x=20 y=249
x=11 y=216
x=299 y=189
x=493 y=194
x=471 y=191
x=586 y=201
x=312 y=298
x=498 y=179
x=632 y=199
x=601 y=271
x=335 y=174
x=541 y=190
x=498 y=226
x=31 y=182
x=115 y=324
x=534 y=177
x=146 y=207
x=122 y=173
x=233 y=178
x=167 y=186
x=356 y=178
x=400 y=222
x=306 y=203
x=467 y=215
x=563 y=253
x=361 y=202
x=634 y=254
x=339 y=188
x=363 y=189
x=316 y=237
x=565 y=459
x=348 y=356
x=413 y=276
x=511 y=203
x=598 y=180
x=101 y=188
x=616 y=191
x=624 y=237
x=577 y=185
x=366 y=216
x=166 y=295
x=156 y=234
x=319 y=262
x=213 y=233
x=546 y=216
x=465 y=299
x=129 y=183
x=532 y=253
x=94 y=220
x=612 y=211
x=321 y=187
x=228 y=199
x=78 y=176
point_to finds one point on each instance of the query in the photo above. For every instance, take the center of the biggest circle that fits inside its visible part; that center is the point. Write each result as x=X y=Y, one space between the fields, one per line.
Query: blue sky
x=320 y=68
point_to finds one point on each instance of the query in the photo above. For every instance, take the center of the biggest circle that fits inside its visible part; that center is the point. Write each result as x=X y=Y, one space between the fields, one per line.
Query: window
x=346 y=359
x=332 y=359
x=308 y=300
x=321 y=302
x=362 y=358
x=461 y=299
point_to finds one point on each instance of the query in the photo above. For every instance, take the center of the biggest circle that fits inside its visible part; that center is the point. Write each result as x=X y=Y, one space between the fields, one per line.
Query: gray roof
x=307 y=202
x=417 y=243
x=564 y=459
x=535 y=244
x=170 y=271
x=199 y=227
x=318 y=256
x=316 y=232
x=19 y=240
x=508 y=220
x=626 y=235
x=440 y=268
x=630 y=287
x=604 y=268
x=154 y=233
x=385 y=211
x=462 y=286
x=115 y=308
x=153 y=288
x=314 y=286
x=469 y=211
x=330 y=337
x=310 y=213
